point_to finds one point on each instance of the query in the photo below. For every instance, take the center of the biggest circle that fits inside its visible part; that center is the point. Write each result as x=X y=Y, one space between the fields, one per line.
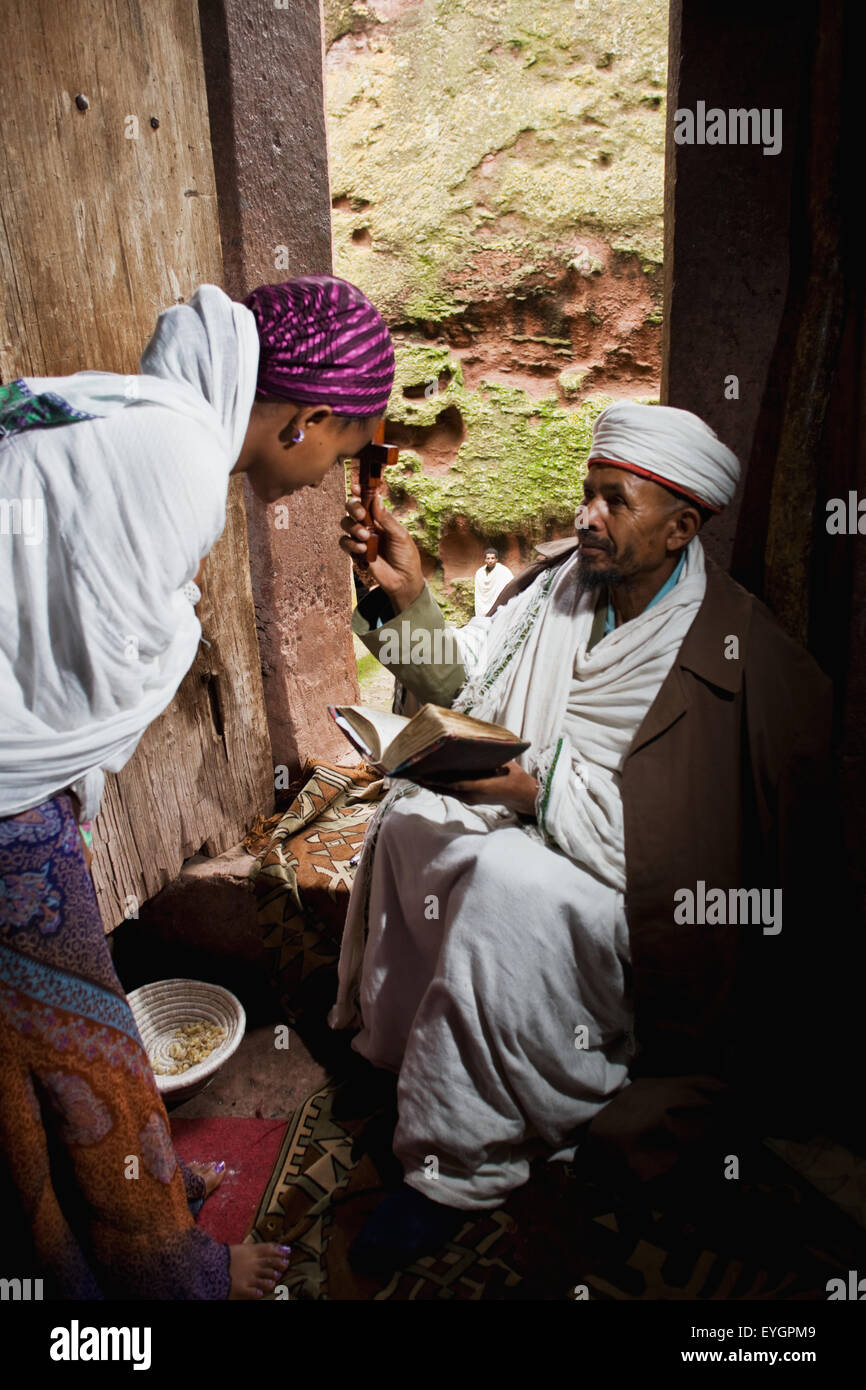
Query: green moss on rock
x=457 y=601
x=571 y=381
x=519 y=469
x=476 y=143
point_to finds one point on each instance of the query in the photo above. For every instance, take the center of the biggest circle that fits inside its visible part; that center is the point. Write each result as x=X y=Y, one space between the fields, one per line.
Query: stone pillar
x=727 y=210
x=263 y=65
x=765 y=280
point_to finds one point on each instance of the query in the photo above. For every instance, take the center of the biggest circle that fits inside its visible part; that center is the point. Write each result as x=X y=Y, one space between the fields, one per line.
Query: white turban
x=672 y=447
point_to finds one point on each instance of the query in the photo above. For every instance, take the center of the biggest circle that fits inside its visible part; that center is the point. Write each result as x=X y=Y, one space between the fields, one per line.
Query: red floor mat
x=250 y=1149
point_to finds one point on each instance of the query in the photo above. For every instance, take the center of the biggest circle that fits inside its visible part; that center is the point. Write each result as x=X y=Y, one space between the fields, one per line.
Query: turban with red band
x=671 y=447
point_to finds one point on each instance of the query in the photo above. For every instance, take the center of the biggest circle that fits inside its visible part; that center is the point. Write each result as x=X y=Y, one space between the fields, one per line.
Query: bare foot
x=255 y=1269
x=213 y=1174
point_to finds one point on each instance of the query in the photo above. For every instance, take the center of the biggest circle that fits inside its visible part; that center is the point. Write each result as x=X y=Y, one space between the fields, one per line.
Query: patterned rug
x=768 y=1236
x=302 y=880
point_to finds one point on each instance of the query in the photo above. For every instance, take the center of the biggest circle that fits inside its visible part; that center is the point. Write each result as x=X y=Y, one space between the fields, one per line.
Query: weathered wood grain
x=101 y=226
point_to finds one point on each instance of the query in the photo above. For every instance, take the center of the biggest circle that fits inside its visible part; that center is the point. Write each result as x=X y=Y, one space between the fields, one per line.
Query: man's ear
x=686 y=524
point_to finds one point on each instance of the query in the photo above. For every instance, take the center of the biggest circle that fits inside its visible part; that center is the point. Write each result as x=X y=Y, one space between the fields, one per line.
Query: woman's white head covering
x=669 y=446
x=96 y=631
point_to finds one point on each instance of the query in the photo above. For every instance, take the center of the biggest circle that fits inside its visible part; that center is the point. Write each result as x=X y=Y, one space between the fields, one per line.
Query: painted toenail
x=286 y=1249
x=218 y=1167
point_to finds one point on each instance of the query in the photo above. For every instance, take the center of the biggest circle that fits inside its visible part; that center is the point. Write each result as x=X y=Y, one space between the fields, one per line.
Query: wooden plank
x=102 y=224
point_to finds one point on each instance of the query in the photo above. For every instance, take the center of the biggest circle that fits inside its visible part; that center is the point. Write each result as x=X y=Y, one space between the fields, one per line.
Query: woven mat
x=768 y=1236
x=302 y=882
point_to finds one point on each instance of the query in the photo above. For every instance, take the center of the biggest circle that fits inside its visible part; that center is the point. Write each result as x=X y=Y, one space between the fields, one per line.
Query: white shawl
x=96 y=632
x=530 y=670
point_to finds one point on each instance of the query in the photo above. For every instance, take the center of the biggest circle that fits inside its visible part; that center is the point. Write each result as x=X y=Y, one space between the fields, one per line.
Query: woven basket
x=161 y=1008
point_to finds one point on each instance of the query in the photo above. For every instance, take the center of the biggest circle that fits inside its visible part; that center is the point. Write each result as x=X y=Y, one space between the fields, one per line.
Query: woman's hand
x=512 y=786
x=398 y=566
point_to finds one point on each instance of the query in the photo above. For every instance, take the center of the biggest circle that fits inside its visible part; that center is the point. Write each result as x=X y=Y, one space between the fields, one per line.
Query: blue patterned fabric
x=46 y=902
x=21 y=410
x=87 y=1000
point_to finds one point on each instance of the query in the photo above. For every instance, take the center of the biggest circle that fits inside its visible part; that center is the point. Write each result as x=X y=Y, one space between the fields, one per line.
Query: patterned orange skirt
x=96 y=1198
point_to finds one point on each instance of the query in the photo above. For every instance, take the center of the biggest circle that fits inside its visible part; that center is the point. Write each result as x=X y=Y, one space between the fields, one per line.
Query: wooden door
x=109 y=215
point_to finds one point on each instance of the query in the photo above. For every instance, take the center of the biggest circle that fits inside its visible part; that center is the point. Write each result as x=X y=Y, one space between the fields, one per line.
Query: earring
x=299 y=434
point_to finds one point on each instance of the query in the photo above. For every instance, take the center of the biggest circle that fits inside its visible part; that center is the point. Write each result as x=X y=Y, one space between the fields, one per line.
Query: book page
x=374 y=728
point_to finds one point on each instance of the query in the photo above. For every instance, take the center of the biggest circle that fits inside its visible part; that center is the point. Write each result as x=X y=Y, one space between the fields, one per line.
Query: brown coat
x=727 y=782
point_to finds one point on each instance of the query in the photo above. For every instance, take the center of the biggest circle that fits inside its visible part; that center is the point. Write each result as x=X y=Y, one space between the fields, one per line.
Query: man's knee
x=509 y=866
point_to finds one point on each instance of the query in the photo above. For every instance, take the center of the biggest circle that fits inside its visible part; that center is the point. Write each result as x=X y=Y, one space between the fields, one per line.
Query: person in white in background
x=490 y=579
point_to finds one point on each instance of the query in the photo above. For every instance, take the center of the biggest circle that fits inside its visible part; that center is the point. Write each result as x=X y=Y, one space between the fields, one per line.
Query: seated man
x=524 y=949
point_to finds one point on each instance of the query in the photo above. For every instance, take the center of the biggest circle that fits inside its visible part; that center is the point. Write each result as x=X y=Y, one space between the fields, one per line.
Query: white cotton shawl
x=489 y=585
x=96 y=632
x=580 y=710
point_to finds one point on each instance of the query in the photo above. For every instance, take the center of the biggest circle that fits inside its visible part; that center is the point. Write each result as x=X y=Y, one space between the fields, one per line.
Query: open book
x=435 y=744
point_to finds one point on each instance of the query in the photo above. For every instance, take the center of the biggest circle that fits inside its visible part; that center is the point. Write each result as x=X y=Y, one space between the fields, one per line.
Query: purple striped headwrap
x=323 y=343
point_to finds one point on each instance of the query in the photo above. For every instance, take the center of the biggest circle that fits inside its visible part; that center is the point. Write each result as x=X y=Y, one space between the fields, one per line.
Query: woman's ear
x=314 y=415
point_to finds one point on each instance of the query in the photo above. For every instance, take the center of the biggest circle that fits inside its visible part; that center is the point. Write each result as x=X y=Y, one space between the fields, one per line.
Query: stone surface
x=264 y=77
x=473 y=141
x=258 y=1080
x=203 y=925
x=728 y=225
x=517 y=469
x=497 y=175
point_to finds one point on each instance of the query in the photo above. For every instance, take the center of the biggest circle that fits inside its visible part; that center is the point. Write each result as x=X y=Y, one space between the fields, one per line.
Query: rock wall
x=497 y=174
x=270 y=158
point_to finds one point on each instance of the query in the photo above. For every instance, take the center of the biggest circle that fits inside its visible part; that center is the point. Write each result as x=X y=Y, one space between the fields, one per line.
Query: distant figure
x=490 y=579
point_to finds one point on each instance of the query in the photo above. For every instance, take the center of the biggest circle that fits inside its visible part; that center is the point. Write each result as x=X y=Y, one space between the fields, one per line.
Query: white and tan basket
x=161 y=1008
